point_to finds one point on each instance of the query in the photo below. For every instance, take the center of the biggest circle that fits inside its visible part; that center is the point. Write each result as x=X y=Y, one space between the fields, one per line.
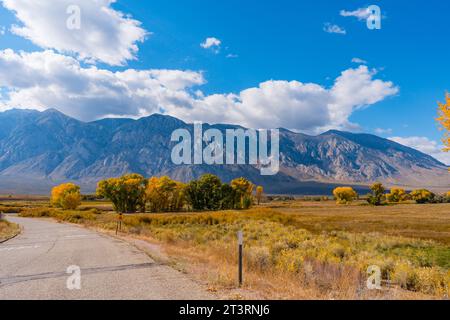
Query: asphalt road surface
x=34 y=266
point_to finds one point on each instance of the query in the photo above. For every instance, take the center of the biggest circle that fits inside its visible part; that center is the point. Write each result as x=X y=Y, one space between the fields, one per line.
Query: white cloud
x=334 y=28
x=49 y=80
x=382 y=131
x=46 y=79
x=359 y=61
x=425 y=145
x=232 y=56
x=361 y=13
x=105 y=35
x=355 y=89
x=212 y=44
x=2 y=31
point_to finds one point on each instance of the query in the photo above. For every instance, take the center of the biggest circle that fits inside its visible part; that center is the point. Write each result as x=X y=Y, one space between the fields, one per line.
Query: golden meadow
x=296 y=249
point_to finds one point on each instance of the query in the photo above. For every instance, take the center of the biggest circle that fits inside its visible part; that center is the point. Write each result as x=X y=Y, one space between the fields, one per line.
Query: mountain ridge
x=49 y=147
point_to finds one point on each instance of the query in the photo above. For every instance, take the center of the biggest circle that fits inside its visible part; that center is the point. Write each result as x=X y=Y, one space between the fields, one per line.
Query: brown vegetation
x=301 y=249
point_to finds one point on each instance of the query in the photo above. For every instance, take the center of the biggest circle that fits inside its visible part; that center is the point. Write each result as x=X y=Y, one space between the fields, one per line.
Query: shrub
x=377 y=196
x=447 y=197
x=396 y=195
x=66 y=196
x=422 y=196
x=7 y=209
x=345 y=195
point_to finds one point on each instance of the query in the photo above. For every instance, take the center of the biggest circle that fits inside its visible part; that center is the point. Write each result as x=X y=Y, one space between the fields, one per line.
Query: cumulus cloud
x=105 y=35
x=212 y=44
x=333 y=28
x=50 y=80
x=46 y=79
x=425 y=145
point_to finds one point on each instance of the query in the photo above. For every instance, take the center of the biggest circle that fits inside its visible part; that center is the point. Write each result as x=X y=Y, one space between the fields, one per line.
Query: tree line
x=379 y=196
x=133 y=193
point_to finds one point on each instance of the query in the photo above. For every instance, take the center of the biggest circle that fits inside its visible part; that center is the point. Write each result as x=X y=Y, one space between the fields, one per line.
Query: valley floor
x=293 y=249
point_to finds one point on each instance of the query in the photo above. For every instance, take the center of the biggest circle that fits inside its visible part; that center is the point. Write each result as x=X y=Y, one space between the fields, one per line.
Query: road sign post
x=119 y=223
x=241 y=245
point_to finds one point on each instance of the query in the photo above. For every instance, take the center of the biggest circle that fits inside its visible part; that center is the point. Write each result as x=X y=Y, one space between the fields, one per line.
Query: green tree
x=127 y=193
x=205 y=193
x=229 y=197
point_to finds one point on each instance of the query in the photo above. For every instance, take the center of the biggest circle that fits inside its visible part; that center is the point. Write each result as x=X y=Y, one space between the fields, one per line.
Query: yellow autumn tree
x=444 y=120
x=345 y=195
x=165 y=194
x=396 y=195
x=127 y=193
x=243 y=189
x=66 y=196
x=422 y=196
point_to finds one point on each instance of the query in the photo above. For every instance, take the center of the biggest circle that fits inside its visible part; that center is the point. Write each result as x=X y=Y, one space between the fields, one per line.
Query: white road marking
x=77 y=236
x=19 y=248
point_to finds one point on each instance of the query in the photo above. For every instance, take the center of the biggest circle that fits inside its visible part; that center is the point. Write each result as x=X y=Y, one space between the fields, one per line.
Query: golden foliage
x=345 y=195
x=66 y=196
x=444 y=119
x=164 y=194
x=244 y=190
x=422 y=196
x=127 y=193
x=396 y=195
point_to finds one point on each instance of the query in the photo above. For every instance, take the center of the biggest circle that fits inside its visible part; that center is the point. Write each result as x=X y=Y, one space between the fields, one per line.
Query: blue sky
x=271 y=53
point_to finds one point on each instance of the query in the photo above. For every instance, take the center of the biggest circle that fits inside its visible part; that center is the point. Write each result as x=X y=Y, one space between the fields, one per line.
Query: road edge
x=12 y=237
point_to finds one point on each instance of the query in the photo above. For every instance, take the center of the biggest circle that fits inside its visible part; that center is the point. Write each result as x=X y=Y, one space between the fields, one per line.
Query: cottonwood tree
x=444 y=120
x=164 y=194
x=127 y=193
x=205 y=193
x=397 y=195
x=376 y=198
x=422 y=196
x=66 y=196
x=344 y=195
x=244 y=190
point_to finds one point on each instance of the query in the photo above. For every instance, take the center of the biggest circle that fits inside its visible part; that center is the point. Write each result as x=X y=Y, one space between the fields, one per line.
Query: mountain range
x=41 y=149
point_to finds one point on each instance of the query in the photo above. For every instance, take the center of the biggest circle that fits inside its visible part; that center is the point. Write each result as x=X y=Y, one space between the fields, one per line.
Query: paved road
x=34 y=266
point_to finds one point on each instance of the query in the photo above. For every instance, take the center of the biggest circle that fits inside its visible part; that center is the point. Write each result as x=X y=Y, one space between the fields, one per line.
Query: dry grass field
x=293 y=249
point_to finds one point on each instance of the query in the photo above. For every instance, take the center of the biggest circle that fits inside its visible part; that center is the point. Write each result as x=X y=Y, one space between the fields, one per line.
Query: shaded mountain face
x=41 y=149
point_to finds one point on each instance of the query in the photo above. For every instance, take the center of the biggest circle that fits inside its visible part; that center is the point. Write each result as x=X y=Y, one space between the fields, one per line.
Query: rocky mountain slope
x=41 y=149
